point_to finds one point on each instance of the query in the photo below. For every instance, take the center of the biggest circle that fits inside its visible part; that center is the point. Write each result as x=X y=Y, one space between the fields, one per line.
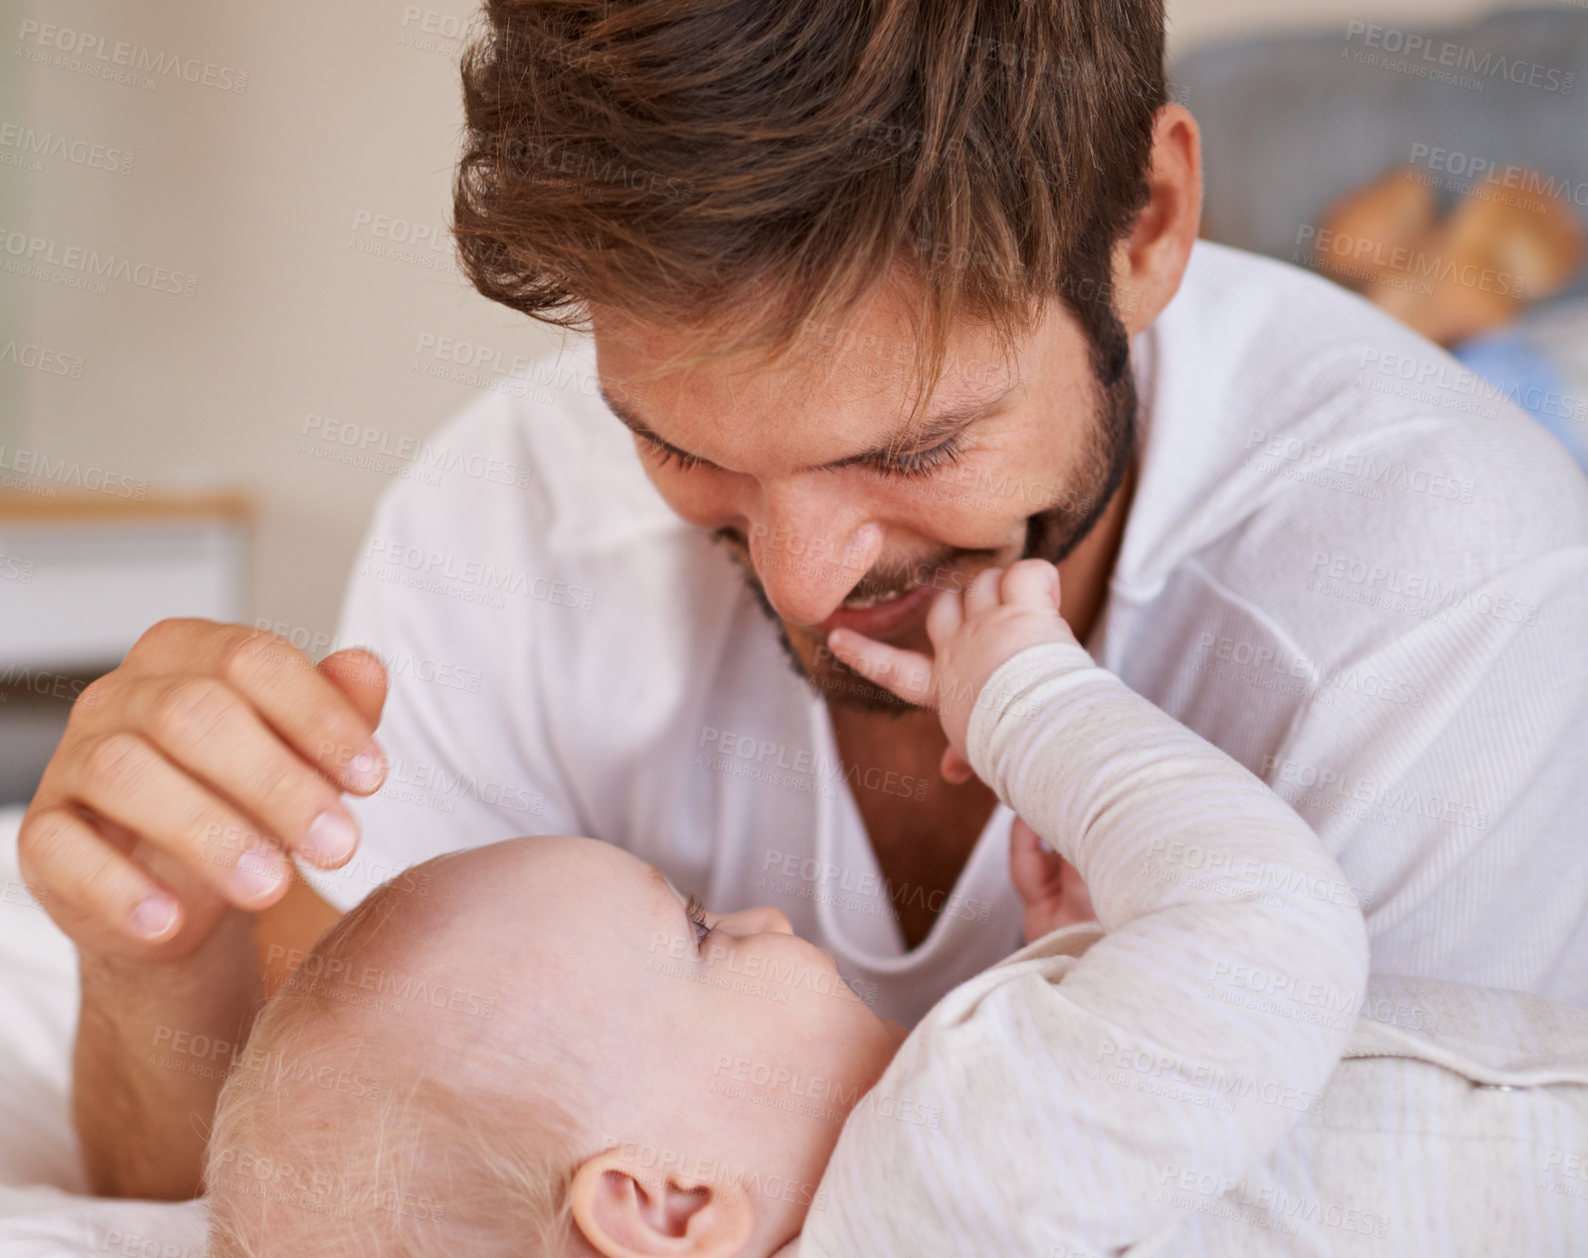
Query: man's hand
x=1002 y=612
x=162 y=823
x=184 y=778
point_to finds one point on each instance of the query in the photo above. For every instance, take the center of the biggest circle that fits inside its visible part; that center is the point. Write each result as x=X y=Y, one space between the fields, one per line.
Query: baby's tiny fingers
x=944 y=617
x=1031 y=583
x=954 y=767
x=907 y=674
x=1034 y=867
x=982 y=594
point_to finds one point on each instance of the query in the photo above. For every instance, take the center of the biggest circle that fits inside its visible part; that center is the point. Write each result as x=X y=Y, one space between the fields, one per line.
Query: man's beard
x=1051 y=534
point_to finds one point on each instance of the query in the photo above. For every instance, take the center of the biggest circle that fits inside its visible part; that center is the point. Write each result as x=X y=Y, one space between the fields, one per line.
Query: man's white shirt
x=1349 y=563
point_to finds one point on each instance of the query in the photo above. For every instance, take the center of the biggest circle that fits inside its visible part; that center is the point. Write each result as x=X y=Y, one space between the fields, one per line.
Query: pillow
x=1541 y=364
x=1292 y=122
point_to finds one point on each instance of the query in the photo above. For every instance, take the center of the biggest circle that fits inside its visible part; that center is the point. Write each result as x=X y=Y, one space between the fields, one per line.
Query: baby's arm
x=1189 y=1038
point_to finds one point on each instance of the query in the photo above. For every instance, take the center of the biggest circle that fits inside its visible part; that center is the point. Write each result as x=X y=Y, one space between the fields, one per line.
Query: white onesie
x=1163 y=1084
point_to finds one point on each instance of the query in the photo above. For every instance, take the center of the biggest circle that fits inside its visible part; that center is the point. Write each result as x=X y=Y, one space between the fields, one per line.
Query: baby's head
x=530 y=1048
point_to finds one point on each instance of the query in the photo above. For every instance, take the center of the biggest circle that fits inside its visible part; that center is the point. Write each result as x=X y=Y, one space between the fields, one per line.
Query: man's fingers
x=1031 y=583
x=311 y=713
x=127 y=779
x=185 y=777
x=907 y=674
x=208 y=729
x=92 y=886
x=359 y=674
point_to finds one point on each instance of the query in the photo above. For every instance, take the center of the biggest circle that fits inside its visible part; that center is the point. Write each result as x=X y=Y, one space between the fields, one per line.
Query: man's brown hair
x=755 y=167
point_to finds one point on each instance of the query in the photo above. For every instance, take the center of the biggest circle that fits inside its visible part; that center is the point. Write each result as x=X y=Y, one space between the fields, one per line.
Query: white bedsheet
x=44 y=1210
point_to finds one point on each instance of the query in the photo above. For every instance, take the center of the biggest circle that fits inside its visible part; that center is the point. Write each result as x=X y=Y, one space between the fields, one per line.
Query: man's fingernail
x=154 y=916
x=331 y=839
x=256 y=875
x=365 y=770
x=1044 y=845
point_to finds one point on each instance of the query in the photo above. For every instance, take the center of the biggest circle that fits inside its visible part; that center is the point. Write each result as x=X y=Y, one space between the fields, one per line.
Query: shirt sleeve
x=1443 y=768
x=1050 y=1100
x=438 y=592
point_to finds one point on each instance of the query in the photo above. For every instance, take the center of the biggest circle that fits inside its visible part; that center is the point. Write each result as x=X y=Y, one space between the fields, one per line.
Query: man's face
x=840 y=511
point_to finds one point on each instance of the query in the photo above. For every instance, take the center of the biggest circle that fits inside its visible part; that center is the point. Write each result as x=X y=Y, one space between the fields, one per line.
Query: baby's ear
x=626 y=1211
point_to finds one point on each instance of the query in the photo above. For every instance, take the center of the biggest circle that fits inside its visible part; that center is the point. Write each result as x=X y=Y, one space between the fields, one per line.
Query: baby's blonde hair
x=335 y=1134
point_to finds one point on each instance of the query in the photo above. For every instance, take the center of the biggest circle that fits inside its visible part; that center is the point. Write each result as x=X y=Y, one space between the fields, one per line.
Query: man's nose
x=809 y=552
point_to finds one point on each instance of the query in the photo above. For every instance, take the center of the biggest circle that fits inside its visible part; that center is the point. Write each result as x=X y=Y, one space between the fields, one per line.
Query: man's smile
x=879 y=614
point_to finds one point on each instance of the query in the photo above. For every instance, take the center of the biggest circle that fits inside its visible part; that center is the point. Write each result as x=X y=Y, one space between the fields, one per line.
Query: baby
x=542 y=1047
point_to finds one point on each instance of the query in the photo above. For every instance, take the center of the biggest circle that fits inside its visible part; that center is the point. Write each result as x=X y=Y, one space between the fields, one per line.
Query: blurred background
x=229 y=307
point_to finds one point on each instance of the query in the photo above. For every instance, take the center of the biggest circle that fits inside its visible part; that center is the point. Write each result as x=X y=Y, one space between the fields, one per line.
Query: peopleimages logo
x=70 y=473
x=1328 y=682
x=32 y=146
x=1421 y=594
x=52 y=362
x=98 y=57
x=1348 y=256
x=1424 y=54
x=1266 y=1206
x=1511 y=177
x=795 y=875
x=1392 y=799
x=32 y=254
x=733 y=749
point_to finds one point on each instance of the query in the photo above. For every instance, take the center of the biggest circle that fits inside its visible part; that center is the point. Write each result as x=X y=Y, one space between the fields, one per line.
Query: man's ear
x=627 y=1213
x=1150 y=260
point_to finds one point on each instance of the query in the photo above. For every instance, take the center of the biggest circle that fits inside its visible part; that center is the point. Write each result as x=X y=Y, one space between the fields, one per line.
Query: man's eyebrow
x=932 y=430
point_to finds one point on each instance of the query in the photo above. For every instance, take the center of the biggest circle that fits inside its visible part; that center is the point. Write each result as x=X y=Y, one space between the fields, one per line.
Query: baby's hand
x=1048 y=885
x=1001 y=613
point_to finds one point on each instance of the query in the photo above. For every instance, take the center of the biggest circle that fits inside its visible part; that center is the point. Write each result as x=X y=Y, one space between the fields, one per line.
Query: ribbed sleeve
x=1060 y=1093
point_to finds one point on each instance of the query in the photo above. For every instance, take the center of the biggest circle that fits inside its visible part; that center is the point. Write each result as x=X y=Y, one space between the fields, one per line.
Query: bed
x=1291 y=123
x=44 y=1209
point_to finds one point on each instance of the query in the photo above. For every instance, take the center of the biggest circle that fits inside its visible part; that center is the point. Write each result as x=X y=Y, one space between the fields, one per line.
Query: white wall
x=265 y=196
